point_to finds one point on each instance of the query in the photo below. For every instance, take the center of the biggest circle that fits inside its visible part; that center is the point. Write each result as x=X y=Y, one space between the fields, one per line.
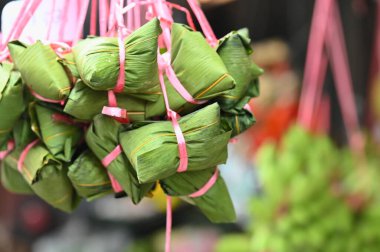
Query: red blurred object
x=272 y=123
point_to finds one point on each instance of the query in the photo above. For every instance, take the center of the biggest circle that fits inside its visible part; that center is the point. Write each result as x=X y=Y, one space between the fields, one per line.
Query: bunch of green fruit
x=315 y=197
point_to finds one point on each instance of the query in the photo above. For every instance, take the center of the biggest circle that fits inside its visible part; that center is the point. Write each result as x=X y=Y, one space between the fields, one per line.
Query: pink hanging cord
x=189 y=18
x=83 y=5
x=103 y=14
x=94 y=7
x=106 y=161
x=335 y=45
x=10 y=147
x=24 y=153
x=164 y=61
x=51 y=21
x=40 y=97
x=313 y=61
x=169 y=212
x=203 y=22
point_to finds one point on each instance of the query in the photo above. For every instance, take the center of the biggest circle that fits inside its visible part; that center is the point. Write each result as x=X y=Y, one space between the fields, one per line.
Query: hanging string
x=94 y=6
x=342 y=78
x=313 y=61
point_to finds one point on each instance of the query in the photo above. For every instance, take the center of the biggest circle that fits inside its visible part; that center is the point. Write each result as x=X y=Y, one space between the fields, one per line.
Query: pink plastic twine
x=94 y=7
x=335 y=45
x=169 y=212
x=103 y=14
x=83 y=4
x=313 y=61
x=40 y=97
x=106 y=161
x=10 y=147
x=203 y=22
x=24 y=153
x=189 y=18
x=164 y=61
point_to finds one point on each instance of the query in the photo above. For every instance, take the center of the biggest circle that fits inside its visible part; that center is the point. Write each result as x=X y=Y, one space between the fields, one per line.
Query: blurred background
x=269 y=220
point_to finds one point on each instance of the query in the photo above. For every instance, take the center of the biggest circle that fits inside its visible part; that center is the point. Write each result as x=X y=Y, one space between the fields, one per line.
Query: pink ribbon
x=94 y=7
x=189 y=18
x=164 y=63
x=82 y=17
x=106 y=161
x=10 y=147
x=169 y=212
x=335 y=45
x=40 y=97
x=183 y=157
x=313 y=60
x=203 y=22
x=207 y=186
x=24 y=153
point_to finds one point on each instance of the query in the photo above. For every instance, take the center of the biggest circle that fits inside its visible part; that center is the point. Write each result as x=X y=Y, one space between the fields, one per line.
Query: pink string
x=168 y=223
x=24 y=153
x=106 y=161
x=203 y=22
x=164 y=61
x=64 y=20
x=22 y=20
x=51 y=21
x=103 y=14
x=62 y=102
x=207 y=186
x=169 y=212
x=183 y=157
x=189 y=18
x=82 y=17
x=313 y=60
x=10 y=147
x=335 y=45
x=137 y=15
x=120 y=21
x=94 y=7
x=248 y=108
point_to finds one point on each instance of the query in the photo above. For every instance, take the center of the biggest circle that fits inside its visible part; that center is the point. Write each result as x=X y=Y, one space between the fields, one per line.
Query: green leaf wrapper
x=89 y=177
x=84 y=103
x=11 y=178
x=153 y=149
x=97 y=61
x=60 y=138
x=198 y=67
x=102 y=137
x=48 y=179
x=12 y=102
x=216 y=203
x=40 y=69
x=69 y=62
x=238 y=121
x=235 y=51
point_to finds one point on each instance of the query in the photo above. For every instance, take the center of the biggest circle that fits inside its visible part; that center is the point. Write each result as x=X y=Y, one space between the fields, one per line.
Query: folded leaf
x=235 y=51
x=97 y=61
x=40 y=69
x=216 y=203
x=89 y=177
x=60 y=138
x=199 y=69
x=102 y=137
x=48 y=179
x=84 y=103
x=11 y=100
x=11 y=178
x=153 y=149
x=238 y=121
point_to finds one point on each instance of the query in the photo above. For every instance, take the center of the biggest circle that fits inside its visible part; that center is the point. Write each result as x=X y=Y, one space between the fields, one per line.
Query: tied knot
x=164 y=61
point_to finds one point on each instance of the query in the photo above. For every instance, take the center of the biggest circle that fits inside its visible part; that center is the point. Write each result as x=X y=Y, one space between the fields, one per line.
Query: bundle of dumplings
x=56 y=143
